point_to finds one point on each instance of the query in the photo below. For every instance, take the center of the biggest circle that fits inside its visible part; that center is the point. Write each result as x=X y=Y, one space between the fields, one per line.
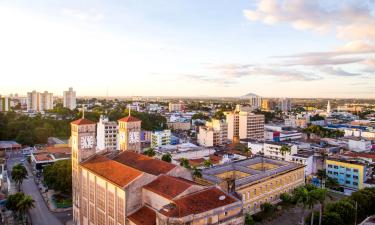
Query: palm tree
x=207 y=163
x=320 y=196
x=197 y=172
x=301 y=195
x=311 y=201
x=19 y=173
x=285 y=149
x=24 y=206
x=247 y=151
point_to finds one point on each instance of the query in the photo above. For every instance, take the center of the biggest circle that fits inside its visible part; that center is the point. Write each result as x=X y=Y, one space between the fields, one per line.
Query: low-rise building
x=257 y=180
x=359 y=145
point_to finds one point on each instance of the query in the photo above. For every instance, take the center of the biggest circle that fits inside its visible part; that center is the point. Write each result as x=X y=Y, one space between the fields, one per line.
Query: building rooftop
x=82 y=121
x=144 y=163
x=168 y=186
x=129 y=119
x=198 y=202
x=346 y=160
x=143 y=216
x=248 y=171
x=111 y=170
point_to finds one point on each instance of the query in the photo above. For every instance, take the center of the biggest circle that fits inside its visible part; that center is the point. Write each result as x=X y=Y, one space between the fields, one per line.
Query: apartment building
x=4 y=104
x=37 y=101
x=214 y=133
x=160 y=138
x=176 y=107
x=69 y=99
x=106 y=135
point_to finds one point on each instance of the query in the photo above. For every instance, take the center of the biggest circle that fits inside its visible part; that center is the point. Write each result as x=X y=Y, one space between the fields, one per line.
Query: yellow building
x=128 y=188
x=257 y=180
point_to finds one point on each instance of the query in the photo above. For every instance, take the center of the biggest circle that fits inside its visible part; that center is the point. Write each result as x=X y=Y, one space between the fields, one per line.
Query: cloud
x=220 y=81
x=234 y=71
x=353 y=22
x=319 y=60
x=338 y=72
x=90 y=15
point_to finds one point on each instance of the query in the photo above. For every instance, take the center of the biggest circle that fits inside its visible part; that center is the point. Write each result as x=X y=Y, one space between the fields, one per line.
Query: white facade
x=69 y=99
x=285 y=105
x=106 y=135
x=37 y=101
x=255 y=102
x=215 y=133
x=176 y=107
x=160 y=138
x=306 y=159
x=272 y=149
x=359 y=145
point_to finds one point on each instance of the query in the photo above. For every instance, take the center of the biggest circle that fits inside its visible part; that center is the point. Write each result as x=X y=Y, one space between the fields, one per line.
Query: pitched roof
x=361 y=154
x=143 y=216
x=111 y=170
x=198 y=202
x=66 y=150
x=144 y=163
x=168 y=186
x=129 y=119
x=82 y=121
x=43 y=157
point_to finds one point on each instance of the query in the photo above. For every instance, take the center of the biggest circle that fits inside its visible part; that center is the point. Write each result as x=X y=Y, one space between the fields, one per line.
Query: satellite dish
x=221 y=198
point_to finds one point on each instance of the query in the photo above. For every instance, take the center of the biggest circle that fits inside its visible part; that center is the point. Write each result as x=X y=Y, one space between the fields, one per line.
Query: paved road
x=40 y=215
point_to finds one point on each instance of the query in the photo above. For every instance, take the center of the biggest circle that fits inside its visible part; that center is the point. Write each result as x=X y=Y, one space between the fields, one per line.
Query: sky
x=274 y=48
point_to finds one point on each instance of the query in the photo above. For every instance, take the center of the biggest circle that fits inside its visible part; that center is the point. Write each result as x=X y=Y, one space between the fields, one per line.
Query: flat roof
x=211 y=174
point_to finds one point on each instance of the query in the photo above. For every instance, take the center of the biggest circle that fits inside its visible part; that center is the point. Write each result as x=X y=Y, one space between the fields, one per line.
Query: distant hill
x=249 y=95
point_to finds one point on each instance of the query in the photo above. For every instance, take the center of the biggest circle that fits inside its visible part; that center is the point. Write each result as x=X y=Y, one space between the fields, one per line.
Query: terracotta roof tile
x=168 y=186
x=144 y=163
x=66 y=150
x=111 y=170
x=82 y=121
x=361 y=154
x=198 y=202
x=129 y=119
x=143 y=216
x=43 y=157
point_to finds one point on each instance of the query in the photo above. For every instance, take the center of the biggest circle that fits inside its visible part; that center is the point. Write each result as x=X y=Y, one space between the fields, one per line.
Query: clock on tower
x=129 y=133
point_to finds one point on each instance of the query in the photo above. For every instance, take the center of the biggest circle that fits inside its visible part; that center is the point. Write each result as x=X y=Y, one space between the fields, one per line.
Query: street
x=40 y=215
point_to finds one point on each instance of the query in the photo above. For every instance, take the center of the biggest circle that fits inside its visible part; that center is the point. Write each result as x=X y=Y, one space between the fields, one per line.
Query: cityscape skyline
x=210 y=49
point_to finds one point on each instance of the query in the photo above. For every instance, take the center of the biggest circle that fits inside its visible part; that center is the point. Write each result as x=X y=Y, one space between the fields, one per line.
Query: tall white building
x=160 y=138
x=4 y=104
x=69 y=99
x=285 y=105
x=106 y=134
x=328 y=108
x=255 y=102
x=39 y=101
x=215 y=133
x=244 y=124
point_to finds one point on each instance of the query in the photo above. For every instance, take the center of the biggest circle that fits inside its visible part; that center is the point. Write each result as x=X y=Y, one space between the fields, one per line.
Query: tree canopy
x=58 y=176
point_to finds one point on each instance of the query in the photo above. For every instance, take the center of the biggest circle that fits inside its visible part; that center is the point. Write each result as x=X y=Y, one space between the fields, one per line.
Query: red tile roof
x=143 y=216
x=111 y=170
x=43 y=157
x=66 y=150
x=168 y=186
x=144 y=163
x=361 y=154
x=198 y=202
x=129 y=119
x=82 y=121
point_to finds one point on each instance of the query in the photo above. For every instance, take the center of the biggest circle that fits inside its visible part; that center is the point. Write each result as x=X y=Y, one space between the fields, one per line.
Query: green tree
x=322 y=175
x=301 y=195
x=246 y=151
x=167 y=157
x=185 y=163
x=249 y=219
x=41 y=135
x=207 y=163
x=219 y=115
x=19 y=173
x=24 y=206
x=58 y=176
x=197 y=173
x=285 y=149
x=332 y=218
x=149 y=152
x=345 y=209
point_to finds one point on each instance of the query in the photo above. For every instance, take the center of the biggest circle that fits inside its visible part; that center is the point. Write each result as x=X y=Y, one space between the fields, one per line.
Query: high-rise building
x=215 y=133
x=106 y=136
x=160 y=138
x=129 y=134
x=37 y=101
x=69 y=99
x=328 y=107
x=255 y=102
x=244 y=124
x=4 y=104
x=285 y=105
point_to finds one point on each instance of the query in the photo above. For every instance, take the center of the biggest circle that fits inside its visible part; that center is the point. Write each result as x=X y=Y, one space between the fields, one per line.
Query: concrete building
x=128 y=188
x=244 y=124
x=37 y=101
x=350 y=173
x=69 y=99
x=129 y=133
x=283 y=135
x=255 y=102
x=215 y=133
x=106 y=134
x=257 y=180
x=160 y=138
x=359 y=145
x=4 y=104
x=285 y=105
x=179 y=125
x=176 y=107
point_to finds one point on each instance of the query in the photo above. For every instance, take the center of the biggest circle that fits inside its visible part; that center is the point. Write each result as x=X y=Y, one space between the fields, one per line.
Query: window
x=329 y=166
x=100 y=197
x=355 y=177
x=92 y=213
x=92 y=191
x=355 y=183
x=329 y=172
x=348 y=169
x=355 y=170
x=111 y=204
x=225 y=213
x=100 y=218
x=120 y=210
x=347 y=182
x=255 y=191
x=336 y=167
x=335 y=173
x=348 y=175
